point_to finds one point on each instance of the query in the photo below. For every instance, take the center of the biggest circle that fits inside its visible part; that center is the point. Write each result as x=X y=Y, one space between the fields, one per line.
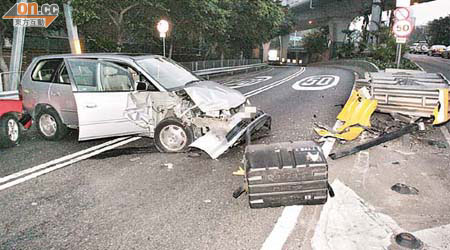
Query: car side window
x=45 y=70
x=63 y=76
x=115 y=77
x=92 y=75
x=85 y=75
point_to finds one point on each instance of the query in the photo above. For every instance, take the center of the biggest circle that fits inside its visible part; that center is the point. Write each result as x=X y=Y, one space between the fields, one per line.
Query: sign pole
x=164 y=46
x=163 y=27
x=399 y=54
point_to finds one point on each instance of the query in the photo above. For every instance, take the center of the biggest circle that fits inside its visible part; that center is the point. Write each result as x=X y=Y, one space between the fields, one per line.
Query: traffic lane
x=33 y=150
x=102 y=202
x=432 y=64
x=127 y=203
x=249 y=82
x=134 y=201
x=295 y=112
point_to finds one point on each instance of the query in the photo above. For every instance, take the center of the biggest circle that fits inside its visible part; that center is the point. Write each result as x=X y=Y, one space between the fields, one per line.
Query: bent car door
x=101 y=91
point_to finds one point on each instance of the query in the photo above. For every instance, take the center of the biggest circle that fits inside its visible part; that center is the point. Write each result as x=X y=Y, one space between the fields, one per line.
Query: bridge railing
x=212 y=64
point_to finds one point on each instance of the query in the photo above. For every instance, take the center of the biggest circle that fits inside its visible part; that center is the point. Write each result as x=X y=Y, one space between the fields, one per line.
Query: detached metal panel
x=409 y=93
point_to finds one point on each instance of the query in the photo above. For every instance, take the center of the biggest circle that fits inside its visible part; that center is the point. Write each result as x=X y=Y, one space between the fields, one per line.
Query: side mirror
x=141 y=86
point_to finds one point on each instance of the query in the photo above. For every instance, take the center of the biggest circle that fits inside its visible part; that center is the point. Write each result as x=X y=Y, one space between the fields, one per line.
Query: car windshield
x=167 y=72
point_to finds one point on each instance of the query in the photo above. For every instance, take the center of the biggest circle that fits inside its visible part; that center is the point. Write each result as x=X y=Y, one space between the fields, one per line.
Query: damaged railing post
x=382 y=139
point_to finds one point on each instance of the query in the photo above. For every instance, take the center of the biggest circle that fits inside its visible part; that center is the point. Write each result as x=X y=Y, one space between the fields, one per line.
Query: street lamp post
x=163 y=27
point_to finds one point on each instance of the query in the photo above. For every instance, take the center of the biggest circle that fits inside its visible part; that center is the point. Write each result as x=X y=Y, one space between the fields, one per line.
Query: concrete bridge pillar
x=266 y=48
x=337 y=37
x=284 y=46
x=375 y=20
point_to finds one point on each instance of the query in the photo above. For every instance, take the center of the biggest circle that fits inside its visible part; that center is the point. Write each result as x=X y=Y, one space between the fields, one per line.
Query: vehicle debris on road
x=355 y=116
x=377 y=141
x=411 y=93
x=284 y=174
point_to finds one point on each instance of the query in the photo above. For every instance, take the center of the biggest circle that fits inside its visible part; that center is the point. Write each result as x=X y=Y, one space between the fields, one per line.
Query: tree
x=254 y=22
x=316 y=42
x=439 y=30
x=195 y=21
x=107 y=22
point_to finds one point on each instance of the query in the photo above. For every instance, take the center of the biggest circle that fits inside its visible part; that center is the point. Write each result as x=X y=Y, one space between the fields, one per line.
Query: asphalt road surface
x=132 y=197
x=128 y=198
x=432 y=64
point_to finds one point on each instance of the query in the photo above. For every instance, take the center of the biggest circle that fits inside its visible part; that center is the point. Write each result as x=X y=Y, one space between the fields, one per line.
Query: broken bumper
x=215 y=145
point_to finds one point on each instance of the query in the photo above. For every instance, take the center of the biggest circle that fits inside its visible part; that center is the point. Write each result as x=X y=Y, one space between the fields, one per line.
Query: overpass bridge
x=337 y=15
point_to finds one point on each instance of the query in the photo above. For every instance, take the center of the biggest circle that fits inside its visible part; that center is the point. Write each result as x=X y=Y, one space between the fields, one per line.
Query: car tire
x=172 y=136
x=50 y=125
x=10 y=132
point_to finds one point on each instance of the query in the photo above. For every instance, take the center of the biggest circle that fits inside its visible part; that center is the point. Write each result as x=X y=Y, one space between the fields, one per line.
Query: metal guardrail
x=202 y=65
x=410 y=93
x=226 y=70
x=357 y=65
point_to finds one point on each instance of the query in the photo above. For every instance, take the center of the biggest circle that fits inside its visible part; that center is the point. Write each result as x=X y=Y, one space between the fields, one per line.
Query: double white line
x=274 y=84
x=28 y=174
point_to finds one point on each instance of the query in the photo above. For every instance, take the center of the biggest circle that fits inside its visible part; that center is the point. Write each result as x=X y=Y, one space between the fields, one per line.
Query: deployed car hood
x=211 y=96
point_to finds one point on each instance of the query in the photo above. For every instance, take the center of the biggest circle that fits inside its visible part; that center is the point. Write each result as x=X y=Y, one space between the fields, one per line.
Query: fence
x=202 y=65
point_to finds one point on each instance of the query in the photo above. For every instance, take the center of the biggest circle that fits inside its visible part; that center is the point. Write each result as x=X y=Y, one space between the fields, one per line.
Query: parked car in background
x=108 y=95
x=436 y=50
x=420 y=47
x=446 y=53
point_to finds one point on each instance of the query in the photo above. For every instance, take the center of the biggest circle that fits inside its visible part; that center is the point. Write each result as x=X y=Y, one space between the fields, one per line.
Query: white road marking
x=59 y=160
x=249 y=82
x=67 y=163
x=317 y=82
x=282 y=229
x=274 y=84
x=14 y=179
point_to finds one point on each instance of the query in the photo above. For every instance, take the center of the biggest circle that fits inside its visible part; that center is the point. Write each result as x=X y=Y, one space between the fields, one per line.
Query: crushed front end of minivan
x=219 y=117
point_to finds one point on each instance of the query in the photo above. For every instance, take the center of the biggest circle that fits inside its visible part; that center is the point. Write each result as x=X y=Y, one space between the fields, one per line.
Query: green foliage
x=316 y=42
x=439 y=30
x=214 y=26
x=404 y=64
x=386 y=50
x=253 y=22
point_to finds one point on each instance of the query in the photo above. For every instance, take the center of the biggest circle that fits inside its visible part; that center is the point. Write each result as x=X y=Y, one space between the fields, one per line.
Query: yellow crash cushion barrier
x=355 y=115
x=441 y=112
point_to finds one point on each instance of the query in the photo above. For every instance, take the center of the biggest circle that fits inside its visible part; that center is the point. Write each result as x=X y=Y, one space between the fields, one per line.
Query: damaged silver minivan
x=108 y=95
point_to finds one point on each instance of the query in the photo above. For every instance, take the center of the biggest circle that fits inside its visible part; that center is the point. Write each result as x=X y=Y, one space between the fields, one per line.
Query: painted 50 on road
x=319 y=82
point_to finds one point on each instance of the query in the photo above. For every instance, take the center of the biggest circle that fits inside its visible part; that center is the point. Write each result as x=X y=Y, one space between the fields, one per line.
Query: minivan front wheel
x=50 y=125
x=171 y=136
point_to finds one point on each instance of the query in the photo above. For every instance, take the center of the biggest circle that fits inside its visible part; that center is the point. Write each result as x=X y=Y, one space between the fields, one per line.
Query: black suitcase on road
x=285 y=174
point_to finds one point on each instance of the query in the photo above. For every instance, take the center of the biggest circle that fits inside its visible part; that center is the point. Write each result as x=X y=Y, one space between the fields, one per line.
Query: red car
x=11 y=120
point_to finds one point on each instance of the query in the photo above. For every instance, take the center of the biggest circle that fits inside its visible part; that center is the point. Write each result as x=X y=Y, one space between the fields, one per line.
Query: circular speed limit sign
x=403 y=28
x=319 y=82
